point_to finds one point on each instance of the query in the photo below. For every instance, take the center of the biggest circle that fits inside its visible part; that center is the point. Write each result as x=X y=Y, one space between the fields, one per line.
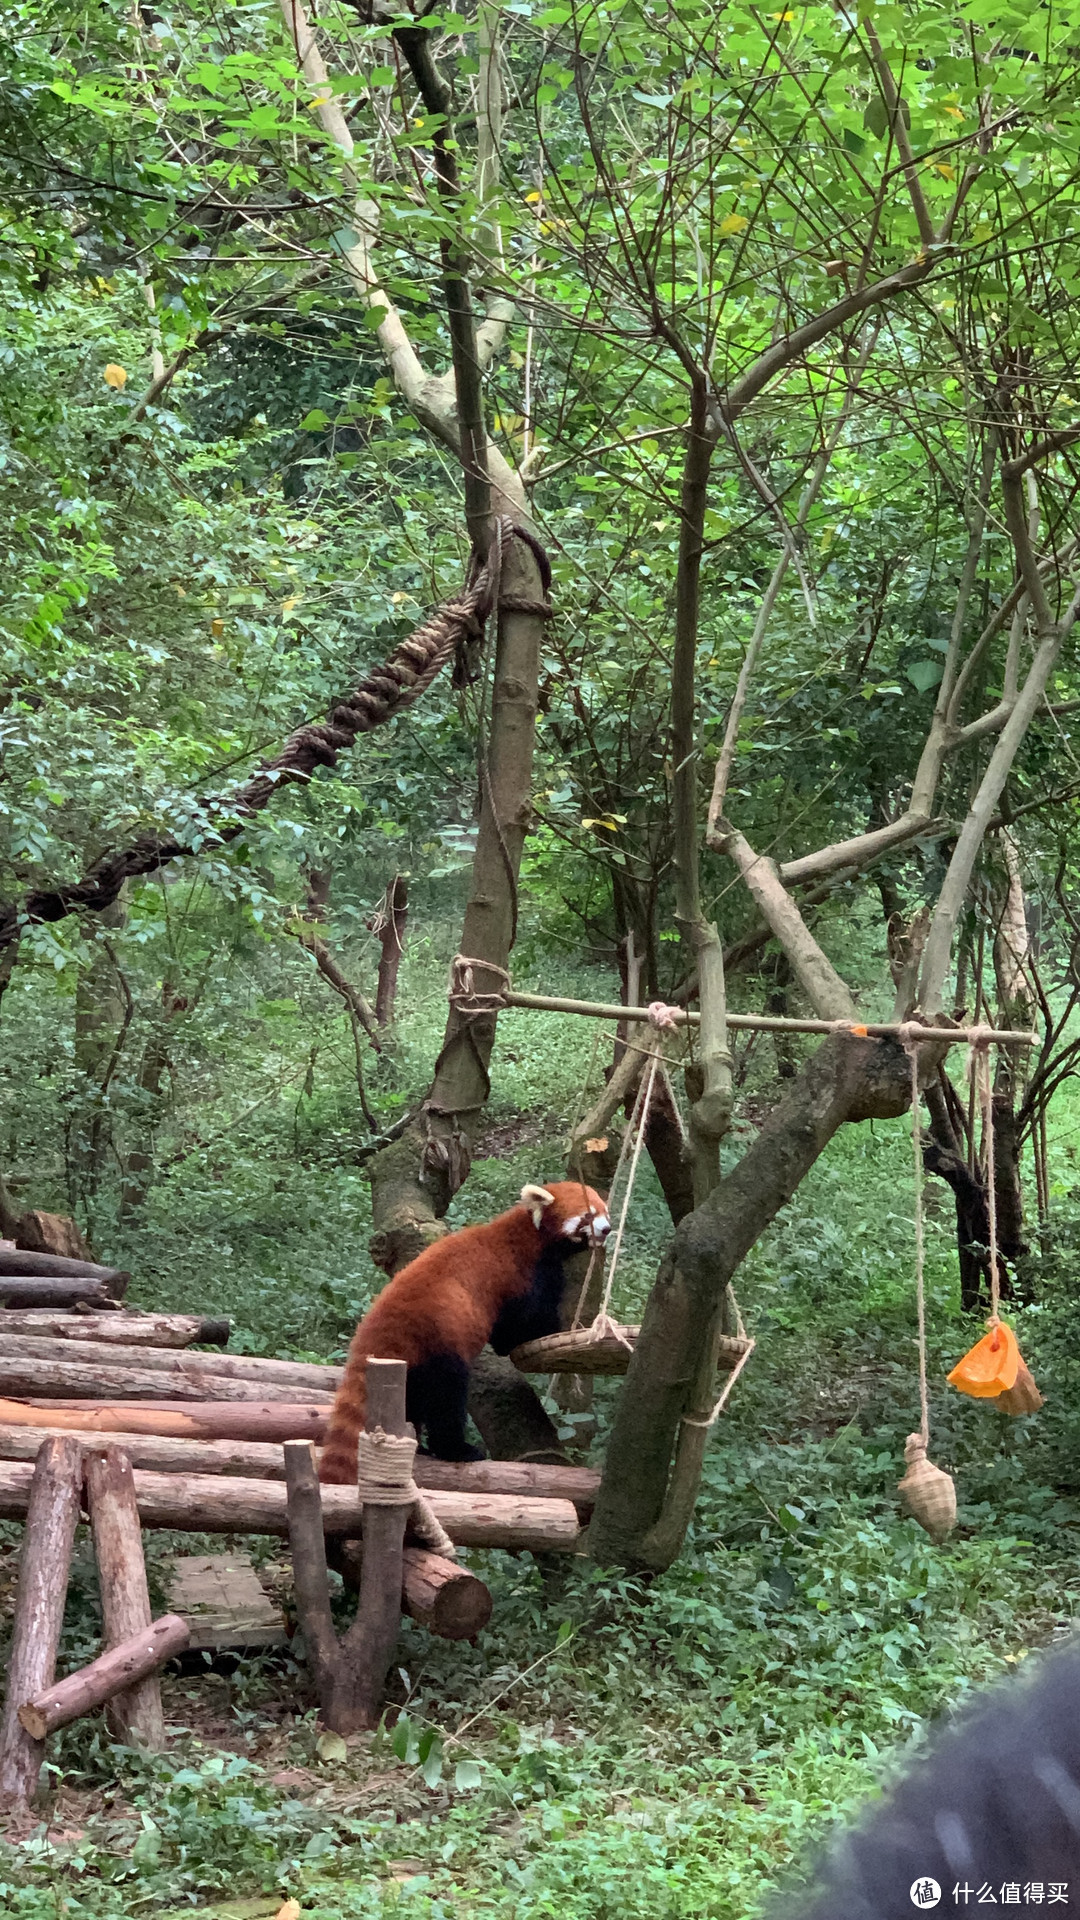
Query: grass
x=609 y=1747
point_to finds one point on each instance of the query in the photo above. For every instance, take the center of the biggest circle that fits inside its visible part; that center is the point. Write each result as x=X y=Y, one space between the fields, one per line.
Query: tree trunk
x=846 y=1079
x=389 y=925
x=413 y=1181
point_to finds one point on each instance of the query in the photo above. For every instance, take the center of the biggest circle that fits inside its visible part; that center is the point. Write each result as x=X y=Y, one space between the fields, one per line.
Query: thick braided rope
x=383 y=692
x=384 y=1467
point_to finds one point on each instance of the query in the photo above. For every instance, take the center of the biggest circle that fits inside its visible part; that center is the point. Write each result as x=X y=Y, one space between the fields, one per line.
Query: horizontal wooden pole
x=40 y=1290
x=255 y=1460
x=26 y=1377
x=117 y=1328
x=440 y=1594
x=772 y=1023
x=209 y=1503
x=188 y=1419
x=19 y=1261
x=112 y=1673
x=189 y=1367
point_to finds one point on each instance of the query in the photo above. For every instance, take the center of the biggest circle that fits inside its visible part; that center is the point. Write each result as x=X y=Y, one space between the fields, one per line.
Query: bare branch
x=890 y=93
x=828 y=994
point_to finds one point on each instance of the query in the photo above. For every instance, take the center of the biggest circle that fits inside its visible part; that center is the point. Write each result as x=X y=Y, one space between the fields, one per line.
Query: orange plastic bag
x=991 y=1365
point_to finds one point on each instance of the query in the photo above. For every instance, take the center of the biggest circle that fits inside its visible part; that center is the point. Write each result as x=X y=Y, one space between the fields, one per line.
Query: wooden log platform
x=222 y=1599
x=209 y=1503
x=262 y=1460
x=118 y=1327
x=193 y=1420
x=23 y=1376
x=119 y=1670
x=188 y=1367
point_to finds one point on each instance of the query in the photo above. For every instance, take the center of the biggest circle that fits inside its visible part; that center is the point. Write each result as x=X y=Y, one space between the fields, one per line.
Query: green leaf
x=467 y=1776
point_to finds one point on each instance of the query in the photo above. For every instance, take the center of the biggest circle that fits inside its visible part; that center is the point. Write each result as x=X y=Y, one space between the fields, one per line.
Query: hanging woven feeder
x=592 y=1349
x=927 y=1491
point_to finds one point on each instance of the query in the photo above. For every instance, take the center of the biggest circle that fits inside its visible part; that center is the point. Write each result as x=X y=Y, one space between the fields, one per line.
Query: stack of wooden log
x=202 y=1439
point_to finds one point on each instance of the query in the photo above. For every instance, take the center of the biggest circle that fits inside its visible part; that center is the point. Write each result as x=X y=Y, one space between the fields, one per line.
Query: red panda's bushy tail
x=337 y=1464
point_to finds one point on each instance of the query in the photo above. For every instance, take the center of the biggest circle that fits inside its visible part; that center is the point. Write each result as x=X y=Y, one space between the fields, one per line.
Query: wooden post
x=134 y=1716
x=307 y=1544
x=122 y=1670
x=368 y=1647
x=51 y=1519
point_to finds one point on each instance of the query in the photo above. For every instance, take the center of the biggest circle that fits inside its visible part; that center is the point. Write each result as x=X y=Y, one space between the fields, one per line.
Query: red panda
x=501 y=1283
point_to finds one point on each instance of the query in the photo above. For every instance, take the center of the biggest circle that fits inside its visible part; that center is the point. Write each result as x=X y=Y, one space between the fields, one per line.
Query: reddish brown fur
x=449 y=1297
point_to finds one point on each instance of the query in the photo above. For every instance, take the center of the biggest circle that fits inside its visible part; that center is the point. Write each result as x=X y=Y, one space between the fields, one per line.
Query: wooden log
x=255 y=1460
x=25 y=1376
x=51 y=1493
x=134 y=1716
x=121 y=1671
x=307 y=1546
x=219 y=1503
x=16 y=1260
x=118 y=1327
x=195 y=1420
x=188 y=1367
x=40 y=1290
x=441 y=1595
x=354 y=1698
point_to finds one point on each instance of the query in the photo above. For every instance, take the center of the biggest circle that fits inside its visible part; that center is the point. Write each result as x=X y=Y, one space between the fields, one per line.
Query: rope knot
x=464 y=995
x=384 y=1478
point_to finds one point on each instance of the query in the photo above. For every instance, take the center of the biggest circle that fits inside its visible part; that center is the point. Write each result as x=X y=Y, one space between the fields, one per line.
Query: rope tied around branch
x=384 y=1474
x=464 y=995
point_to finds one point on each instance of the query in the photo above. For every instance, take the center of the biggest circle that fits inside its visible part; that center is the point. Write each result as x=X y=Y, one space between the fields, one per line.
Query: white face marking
x=596 y=1225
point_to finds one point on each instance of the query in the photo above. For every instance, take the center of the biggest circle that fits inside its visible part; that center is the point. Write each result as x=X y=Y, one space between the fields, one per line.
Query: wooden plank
x=222 y=1599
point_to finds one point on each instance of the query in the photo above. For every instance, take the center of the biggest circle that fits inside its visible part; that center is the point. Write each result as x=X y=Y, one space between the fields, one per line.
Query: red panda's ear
x=536 y=1199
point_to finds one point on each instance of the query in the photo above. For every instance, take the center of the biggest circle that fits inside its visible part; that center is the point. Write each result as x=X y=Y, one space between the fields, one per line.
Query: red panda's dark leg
x=435 y=1401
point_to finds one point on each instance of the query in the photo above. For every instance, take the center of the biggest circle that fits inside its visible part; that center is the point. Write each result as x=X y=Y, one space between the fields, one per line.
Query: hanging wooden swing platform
x=603 y=1350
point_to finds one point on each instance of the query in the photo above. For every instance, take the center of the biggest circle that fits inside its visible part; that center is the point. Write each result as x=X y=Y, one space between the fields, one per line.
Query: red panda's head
x=568 y=1210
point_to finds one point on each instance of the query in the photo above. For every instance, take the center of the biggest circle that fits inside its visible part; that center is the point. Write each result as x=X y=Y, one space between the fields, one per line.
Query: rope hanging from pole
x=926 y=1490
